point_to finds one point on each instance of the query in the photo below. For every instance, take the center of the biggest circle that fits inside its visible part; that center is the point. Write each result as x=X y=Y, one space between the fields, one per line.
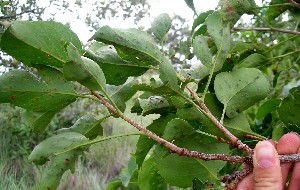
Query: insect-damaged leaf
x=42 y=95
x=161 y=25
x=39 y=42
x=83 y=70
x=240 y=89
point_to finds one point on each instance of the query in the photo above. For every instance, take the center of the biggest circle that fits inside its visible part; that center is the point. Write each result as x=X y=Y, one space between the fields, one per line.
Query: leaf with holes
x=240 y=89
x=39 y=42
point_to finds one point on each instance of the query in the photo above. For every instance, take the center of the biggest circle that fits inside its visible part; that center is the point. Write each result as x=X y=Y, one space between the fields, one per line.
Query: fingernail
x=265 y=155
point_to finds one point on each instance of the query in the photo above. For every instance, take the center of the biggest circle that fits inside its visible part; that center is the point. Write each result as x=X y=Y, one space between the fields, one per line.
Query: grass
x=94 y=170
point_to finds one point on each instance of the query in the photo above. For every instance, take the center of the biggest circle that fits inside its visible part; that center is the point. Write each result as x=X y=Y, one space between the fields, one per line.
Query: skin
x=268 y=173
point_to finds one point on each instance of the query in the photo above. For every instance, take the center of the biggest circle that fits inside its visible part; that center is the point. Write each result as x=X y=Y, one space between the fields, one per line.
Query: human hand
x=268 y=173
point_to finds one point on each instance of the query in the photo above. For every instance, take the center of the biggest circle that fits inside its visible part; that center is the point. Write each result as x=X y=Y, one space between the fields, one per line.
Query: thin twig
x=275 y=5
x=169 y=145
x=284 y=55
x=255 y=137
x=237 y=177
x=294 y=3
x=268 y=29
x=215 y=137
x=234 y=140
x=15 y=15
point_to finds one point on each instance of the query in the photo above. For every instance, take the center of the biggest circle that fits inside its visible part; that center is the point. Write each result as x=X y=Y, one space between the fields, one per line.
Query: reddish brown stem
x=234 y=140
x=294 y=3
x=169 y=145
x=236 y=178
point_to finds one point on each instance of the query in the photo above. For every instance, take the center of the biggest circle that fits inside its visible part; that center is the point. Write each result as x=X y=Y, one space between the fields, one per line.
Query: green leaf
x=57 y=167
x=232 y=10
x=185 y=48
x=215 y=28
x=198 y=184
x=168 y=75
x=177 y=128
x=153 y=103
x=239 y=126
x=184 y=135
x=240 y=89
x=87 y=126
x=45 y=94
x=127 y=173
x=274 y=12
x=112 y=65
x=114 y=185
x=39 y=42
x=161 y=25
x=132 y=45
x=267 y=107
x=55 y=144
x=124 y=94
x=190 y=168
x=289 y=108
x=149 y=177
x=172 y=52
x=201 y=31
x=252 y=61
x=47 y=149
x=200 y=19
x=38 y=121
x=190 y=4
x=83 y=70
x=144 y=143
x=202 y=51
x=221 y=37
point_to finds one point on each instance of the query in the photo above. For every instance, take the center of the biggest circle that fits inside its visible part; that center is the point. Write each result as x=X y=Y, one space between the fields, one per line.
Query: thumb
x=267 y=171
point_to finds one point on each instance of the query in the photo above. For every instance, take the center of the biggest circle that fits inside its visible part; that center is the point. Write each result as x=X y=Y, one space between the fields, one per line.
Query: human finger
x=267 y=171
x=287 y=144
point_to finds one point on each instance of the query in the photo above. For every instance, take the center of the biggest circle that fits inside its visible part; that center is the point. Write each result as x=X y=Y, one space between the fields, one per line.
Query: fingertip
x=267 y=171
x=288 y=143
x=265 y=155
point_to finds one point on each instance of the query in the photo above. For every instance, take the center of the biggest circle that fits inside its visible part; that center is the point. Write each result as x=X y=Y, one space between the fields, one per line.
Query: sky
x=172 y=7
